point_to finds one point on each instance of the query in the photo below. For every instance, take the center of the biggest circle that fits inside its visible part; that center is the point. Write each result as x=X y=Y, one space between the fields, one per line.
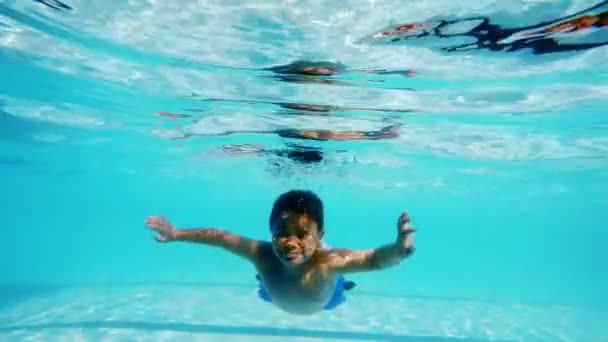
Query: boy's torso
x=303 y=291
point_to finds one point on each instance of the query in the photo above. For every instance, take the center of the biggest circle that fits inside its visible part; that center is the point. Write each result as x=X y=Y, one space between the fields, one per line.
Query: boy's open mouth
x=291 y=256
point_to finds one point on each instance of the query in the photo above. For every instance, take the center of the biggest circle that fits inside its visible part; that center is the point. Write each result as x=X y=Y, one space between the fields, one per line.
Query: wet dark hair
x=299 y=202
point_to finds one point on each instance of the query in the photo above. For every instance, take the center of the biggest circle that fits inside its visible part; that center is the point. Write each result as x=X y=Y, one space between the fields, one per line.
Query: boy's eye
x=282 y=236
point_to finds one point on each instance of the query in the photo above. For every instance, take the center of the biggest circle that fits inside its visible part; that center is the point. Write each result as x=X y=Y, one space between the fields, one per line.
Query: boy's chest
x=311 y=287
x=276 y=274
x=312 y=282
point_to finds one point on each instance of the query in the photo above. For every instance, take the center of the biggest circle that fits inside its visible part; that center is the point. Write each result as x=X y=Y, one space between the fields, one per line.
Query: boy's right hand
x=165 y=230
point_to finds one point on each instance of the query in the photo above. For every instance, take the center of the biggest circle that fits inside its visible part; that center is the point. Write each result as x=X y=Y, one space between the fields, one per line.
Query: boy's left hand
x=405 y=232
x=165 y=230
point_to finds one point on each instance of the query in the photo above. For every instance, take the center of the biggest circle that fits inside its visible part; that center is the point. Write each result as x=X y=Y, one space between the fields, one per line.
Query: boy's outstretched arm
x=346 y=261
x=239 y=245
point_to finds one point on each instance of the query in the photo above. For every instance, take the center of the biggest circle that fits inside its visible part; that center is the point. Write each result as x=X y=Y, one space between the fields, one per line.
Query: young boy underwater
x=296 y=271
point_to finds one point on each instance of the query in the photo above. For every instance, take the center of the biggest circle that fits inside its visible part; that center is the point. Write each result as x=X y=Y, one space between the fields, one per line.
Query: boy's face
x=295 y=238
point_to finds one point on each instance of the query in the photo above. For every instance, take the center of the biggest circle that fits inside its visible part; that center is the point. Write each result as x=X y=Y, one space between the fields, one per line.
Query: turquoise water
x=501 y=162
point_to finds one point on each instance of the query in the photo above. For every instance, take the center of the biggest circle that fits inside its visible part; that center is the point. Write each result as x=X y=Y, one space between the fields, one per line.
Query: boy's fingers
x=408 y=231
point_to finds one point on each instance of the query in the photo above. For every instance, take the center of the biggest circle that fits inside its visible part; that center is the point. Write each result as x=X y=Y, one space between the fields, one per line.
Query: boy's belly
x=298 y=298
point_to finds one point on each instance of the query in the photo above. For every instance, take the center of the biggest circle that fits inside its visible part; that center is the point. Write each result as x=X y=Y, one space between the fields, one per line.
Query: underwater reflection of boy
x=582 y=22
x=303 y=155
x=296 y=271
x=388 y=132
x=496 y=38
x=326 y=68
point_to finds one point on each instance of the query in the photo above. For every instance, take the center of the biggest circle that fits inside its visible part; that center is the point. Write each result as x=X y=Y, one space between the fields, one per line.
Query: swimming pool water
x=110 y=112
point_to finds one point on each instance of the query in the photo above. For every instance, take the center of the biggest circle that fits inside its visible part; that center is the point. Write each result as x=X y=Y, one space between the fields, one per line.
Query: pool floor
x=167 y=312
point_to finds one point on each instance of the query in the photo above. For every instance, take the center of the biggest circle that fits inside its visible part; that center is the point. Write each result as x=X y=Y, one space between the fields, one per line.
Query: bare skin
x=389 y=132
x=581 y=23
x=173 y=115
x=297 y=271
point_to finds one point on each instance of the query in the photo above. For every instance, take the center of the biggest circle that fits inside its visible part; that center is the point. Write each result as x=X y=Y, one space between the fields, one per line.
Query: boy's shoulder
x=264 y=247
x=327 y=253
x=265 y=259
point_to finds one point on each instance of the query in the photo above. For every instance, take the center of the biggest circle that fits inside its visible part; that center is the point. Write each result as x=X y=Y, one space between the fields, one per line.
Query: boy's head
x=296 y=224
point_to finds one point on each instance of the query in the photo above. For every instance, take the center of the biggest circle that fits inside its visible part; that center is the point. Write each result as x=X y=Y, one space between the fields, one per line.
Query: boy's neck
x=297 y=269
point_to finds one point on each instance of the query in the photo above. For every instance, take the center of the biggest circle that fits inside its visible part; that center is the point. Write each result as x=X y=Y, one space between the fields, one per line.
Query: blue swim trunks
x=335 y=300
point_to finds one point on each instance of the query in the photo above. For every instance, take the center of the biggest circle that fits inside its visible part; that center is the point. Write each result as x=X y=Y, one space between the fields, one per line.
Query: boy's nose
x=290 y=244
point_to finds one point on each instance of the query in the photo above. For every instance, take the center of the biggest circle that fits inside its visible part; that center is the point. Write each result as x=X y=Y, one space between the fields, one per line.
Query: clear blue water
x=501 y=163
